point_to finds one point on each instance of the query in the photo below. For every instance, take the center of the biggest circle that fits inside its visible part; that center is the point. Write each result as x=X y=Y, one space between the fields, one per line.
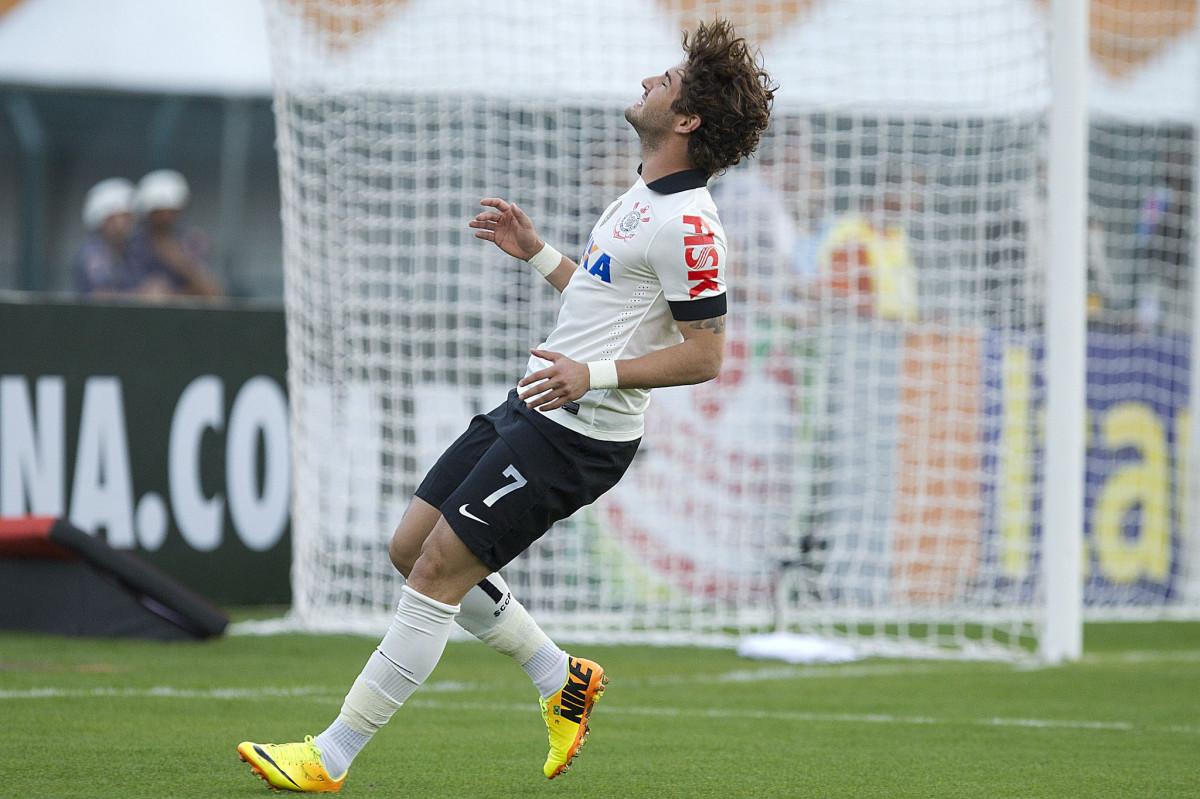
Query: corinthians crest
x=627 y=226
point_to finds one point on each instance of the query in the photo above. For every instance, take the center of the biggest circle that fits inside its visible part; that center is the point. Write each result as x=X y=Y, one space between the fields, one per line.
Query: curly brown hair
x=725 y=85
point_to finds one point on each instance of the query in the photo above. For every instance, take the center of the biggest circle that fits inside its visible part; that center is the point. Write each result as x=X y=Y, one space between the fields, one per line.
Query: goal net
x=868 y=466
x=1141 y=549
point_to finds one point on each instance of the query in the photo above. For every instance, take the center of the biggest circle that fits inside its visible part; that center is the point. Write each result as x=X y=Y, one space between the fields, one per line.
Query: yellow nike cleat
x=566 y=713
x=290 y=767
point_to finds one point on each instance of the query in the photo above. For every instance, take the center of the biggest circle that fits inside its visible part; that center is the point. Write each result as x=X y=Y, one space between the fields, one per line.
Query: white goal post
x=958 y=369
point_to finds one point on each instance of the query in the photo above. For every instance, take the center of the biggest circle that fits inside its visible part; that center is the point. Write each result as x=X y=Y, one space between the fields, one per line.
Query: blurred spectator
x=163 y=259
x=764 y=243
x=101 y=267
x=1102 y=291
x=866 y=256
x=1163 y=247
x=770 y=208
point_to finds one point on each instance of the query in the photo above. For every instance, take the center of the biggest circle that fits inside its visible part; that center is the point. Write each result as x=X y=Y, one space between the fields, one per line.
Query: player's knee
x=403 y=551
x=446 y=569
x=431 y=564
x=415 y=526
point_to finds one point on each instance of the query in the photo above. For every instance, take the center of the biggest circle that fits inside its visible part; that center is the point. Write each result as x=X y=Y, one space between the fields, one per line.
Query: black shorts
x=512 y=474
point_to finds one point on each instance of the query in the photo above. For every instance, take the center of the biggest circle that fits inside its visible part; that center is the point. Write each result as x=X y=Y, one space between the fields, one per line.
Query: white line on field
x=852 y=718
x=316 y=692
x=888 y=668
x=769 y=673
x=1175 y=656
x=168 y=692
x=323 y=693
x=331 y=695
x=750 y=675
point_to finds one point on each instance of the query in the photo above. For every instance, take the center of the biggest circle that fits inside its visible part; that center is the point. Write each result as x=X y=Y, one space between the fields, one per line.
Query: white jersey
x=656 y=256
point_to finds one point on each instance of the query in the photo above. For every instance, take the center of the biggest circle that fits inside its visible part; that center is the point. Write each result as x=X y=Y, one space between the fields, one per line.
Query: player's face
x=652 y=116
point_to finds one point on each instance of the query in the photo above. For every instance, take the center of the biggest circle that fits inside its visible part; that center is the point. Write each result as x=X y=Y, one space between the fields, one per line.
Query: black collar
x=678 y=181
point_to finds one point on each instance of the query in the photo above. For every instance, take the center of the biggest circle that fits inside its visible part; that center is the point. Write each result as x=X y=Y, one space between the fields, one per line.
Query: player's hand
x=563 y=381
x=507 y=227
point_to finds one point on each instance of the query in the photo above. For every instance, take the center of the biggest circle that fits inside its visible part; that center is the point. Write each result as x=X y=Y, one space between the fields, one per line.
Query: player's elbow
x=709 y=366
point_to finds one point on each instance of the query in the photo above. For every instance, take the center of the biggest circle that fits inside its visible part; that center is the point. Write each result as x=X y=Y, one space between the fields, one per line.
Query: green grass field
x=93 y=718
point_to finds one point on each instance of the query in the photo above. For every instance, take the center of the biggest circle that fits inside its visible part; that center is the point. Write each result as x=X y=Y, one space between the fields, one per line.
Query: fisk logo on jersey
x=701 y=256
x=596 y=263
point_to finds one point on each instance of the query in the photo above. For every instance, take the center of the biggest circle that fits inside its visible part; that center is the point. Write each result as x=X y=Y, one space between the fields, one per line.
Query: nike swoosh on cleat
x=267 y=758
x=463 y=510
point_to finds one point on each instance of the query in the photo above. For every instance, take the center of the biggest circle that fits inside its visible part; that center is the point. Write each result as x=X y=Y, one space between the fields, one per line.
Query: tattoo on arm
x=716 y=325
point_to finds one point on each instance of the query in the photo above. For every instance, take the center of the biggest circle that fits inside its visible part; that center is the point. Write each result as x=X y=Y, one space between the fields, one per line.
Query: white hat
x=108 y=197
x=161 y=189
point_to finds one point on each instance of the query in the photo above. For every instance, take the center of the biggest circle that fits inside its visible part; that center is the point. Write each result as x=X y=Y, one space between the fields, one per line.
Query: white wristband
x=546 y=260
x=602 y=374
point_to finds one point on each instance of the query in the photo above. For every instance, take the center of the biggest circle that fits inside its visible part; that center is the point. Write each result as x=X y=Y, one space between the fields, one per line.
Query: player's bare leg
x=416 y=524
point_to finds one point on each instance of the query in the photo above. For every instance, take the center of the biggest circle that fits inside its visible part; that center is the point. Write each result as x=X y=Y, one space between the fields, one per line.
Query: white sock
x=491 y=614
x=548 y=668
x=486 y=606
x=402 y=662
x=339 y=746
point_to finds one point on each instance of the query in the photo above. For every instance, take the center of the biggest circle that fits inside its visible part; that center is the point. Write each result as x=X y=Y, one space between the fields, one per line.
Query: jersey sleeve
x=688 y=254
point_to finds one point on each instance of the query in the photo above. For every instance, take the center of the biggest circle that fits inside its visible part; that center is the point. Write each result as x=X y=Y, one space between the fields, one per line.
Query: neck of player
x=663 y=158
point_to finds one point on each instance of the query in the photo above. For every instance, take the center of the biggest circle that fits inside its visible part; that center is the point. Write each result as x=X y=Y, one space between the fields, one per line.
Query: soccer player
x=645 y=307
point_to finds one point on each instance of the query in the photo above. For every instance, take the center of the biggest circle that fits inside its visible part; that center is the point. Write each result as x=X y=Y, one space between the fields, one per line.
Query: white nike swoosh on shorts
x=463 y=510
